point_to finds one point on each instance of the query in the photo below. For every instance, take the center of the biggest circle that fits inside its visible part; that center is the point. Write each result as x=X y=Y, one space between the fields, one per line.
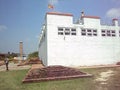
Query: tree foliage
x=33 y=55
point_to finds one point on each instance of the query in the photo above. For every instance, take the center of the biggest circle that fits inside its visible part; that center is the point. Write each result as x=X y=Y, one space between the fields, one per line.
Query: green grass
x=12 y=80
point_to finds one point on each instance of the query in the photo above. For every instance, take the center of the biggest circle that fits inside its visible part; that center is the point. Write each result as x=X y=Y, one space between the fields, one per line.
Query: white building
x=86 y=42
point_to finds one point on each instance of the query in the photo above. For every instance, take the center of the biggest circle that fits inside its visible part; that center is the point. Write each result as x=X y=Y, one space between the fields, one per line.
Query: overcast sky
x=21 y=20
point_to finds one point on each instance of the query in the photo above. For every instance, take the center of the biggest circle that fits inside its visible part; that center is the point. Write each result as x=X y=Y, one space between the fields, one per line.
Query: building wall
x=43 y=46
x=53 y=22
x=79 y=50
x=91 y=23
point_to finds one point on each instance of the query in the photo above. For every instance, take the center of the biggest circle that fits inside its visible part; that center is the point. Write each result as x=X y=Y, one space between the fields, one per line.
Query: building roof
x=59 y=13
x=115 y=19
x=94 y=17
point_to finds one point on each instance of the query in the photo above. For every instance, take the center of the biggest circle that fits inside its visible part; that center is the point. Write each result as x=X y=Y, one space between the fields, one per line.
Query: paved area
x=13 y=66
x=34 y=66
x=97 y=66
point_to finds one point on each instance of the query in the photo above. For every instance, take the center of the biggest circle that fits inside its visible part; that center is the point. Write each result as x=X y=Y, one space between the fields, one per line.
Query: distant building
x=86 y=42
x=2 y=56
x=19 y=58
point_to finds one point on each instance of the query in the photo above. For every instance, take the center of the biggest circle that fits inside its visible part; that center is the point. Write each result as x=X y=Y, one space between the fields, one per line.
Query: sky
x=21 y=20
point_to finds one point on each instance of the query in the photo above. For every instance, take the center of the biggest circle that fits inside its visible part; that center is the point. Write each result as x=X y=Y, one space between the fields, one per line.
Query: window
x=67 y=31
x=83 y=32
x=89 y=32
x=60 y=31
x=103 y=31
x=103 y=34
x=109 y=33
x=113 y=33
x=94 y=32
x=73 y=31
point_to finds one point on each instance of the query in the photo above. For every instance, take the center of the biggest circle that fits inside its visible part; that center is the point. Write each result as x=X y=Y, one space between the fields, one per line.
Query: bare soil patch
x=104 y=76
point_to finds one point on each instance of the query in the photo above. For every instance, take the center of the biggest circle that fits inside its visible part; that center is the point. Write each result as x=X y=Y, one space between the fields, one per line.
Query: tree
x=33 y=55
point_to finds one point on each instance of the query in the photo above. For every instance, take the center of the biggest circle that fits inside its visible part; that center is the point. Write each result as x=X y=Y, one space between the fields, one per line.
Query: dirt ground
x=13 y=66
x=109 y=79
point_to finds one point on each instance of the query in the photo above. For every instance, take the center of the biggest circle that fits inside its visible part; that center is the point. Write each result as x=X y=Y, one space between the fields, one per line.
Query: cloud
x=53 y=2
x=3 y=27
x=113 y=13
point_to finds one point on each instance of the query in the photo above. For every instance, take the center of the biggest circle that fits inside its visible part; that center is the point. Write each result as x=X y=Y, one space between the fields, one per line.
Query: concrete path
x=13 y=66
x=97 y=66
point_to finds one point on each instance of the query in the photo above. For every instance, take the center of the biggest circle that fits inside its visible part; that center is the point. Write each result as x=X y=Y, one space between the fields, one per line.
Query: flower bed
x=53 y=73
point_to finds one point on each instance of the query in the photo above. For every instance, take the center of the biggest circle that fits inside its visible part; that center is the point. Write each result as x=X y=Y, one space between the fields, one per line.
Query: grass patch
x=12 y=80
